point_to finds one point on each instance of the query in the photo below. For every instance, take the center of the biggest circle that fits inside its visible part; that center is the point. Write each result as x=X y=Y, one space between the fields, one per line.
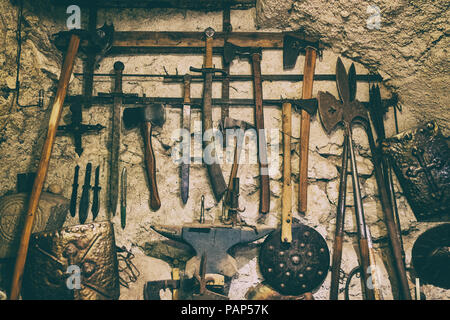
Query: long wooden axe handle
x=286 y=205
x=264 y=205
x=308 y=79
x=55 y=116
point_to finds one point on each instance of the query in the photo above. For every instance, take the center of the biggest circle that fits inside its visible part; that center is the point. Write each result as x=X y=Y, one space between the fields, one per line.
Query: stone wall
x=23 y=130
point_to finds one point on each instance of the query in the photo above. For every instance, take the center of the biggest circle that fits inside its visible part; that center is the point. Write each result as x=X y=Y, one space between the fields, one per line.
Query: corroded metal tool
x=85 y=195
x=255 y=56
x=113 y=185
x=147 y=117
x=349 y=111
x=212 y=163
x=96 y=194
x=186 y=143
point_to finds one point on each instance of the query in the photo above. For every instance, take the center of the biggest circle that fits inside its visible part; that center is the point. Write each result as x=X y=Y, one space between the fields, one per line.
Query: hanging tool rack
x=173 y=42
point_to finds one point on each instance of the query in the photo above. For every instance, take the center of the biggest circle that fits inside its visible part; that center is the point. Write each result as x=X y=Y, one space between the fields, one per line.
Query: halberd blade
x=352 y=82
x=330 y=110
x=342 y=81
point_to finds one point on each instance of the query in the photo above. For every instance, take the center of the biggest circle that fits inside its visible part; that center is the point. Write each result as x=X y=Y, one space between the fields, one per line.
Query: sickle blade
x=342 y=81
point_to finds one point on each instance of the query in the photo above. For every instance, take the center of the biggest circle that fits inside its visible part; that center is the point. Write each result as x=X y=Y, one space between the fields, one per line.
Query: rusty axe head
x=231 y=51
x=98 y=42
x=293 y=46
x=154 y=113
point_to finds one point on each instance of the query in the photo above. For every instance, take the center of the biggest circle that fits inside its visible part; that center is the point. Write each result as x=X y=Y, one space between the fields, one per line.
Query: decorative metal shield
x=50 y=215
x=431 y=256
x=298 y=267
x=421 y=160
x=75 y=263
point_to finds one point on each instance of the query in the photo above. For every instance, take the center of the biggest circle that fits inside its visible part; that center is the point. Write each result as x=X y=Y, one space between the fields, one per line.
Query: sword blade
x=214 y=171
x=123 y=199
x=186 y=152
x=95 y=200
x=73 y=198
x=84 y=201
x=115 y=144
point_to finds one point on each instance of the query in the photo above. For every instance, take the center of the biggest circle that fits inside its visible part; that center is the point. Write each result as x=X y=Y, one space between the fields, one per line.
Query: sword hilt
x=209 y=34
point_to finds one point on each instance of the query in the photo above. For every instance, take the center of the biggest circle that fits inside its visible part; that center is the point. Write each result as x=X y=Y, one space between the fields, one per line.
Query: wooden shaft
x=33 y=203
x=264 y=206
x=308 y=296
x=366 y=275
x=286 y=199
x=233 y=173
x=148 y=39
x=175 y=276
x=392 y=227
x=187 y=89
x=209 y=52
x=216 y=178
x=340 y=218
x=308 y=79
x=374 y=276
x=155 y=202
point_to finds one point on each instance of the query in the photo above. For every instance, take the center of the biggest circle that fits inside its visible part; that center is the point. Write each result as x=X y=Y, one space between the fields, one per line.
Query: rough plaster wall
x=409 y=48
x=23 y=133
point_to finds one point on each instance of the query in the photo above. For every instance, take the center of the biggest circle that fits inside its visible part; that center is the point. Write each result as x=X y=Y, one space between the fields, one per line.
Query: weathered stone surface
x=421 y=89
x=406 y=42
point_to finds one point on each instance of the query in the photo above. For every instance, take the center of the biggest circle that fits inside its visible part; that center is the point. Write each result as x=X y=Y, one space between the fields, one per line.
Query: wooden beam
x=142 y=42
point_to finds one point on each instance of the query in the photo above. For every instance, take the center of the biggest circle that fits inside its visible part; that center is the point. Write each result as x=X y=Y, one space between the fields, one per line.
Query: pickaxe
x=254 y=54
x=147 y=116
x=348 y=111
x=71 y=46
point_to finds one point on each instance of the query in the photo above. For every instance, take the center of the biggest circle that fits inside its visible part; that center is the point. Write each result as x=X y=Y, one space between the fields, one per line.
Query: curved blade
x=330 y=110
x=342 y=81
x=352 y=82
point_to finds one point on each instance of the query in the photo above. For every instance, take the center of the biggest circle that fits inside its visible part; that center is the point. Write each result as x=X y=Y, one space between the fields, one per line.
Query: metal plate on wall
x=50 y=215
x=298 y=267
x=74 y=263
x=431 y=256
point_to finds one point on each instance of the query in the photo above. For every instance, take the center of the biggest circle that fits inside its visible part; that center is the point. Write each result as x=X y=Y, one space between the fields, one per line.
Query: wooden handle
x=233 y=173
x=340 y=219
x=175 y=276
x=187 y=89
x=308 y=79
x=374 y=277
x=286 y=204
x=366 y=275
x=155 y=202
x=33 y=203
x=208 y=52
x=264 y=206
x=118 y=70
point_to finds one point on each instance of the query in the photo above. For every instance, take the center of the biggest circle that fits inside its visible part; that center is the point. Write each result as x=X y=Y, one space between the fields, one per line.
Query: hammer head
x=230 y=51
x=154 y=113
